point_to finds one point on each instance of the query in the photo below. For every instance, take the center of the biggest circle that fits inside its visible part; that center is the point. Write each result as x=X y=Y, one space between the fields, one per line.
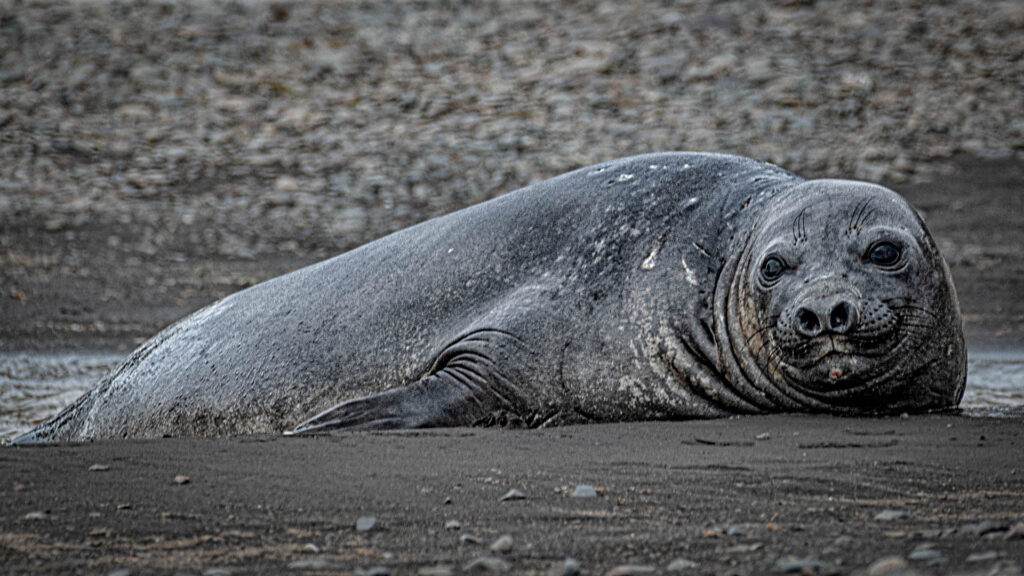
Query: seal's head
x=842 y=302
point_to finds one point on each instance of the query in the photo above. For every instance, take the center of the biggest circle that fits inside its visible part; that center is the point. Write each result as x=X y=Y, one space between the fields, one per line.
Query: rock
x=99 y=468
x=38 y=515
x=568 y=567
x=735 y=530
x=631 y=570
x=372 y=571
x=311 y=564
x=886 y=566
x=503 y=544
x=984 y=527
x=452 y=525
x=797 y=565
x=681 y=564
x=890 y=515
x=1016 y=532
x=217 y=571
x=365 y=523
x=513 y=494
x=181 y=479
x=977 y=557
x=584 y=491
x=120 y=572
x=925 y=552
x=487 y=564
x=469 y=539
x=439 y=570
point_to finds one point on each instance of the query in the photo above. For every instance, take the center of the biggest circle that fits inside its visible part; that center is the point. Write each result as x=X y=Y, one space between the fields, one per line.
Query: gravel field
x=238 y=129
x=159 y=155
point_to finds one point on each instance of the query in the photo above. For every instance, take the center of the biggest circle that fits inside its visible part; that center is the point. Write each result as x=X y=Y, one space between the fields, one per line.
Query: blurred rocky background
x=157 y=155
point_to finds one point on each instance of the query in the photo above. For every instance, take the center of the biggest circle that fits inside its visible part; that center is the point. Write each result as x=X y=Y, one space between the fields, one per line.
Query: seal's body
x=661 y=286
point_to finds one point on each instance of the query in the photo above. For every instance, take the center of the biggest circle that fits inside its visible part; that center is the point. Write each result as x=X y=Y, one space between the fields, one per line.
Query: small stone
x=469 y=539
x=487 y=564
x=744 y=548
x=311 y=564
x=513 y=494
x=120 y=572
x=631 y=570
x=735 y=530
x=99 y=468
x=794 y=564
x=989 y=556
x=439 y=570
x=181 y=479
x=124 y=506
x=680 y=564
x=217 y=571
x=925 y=552
x=38 y=515
x=366 y=523
x=984 y=527
x=887 y=565
x=310 y=547
x=372 y=571
x=453 y=525
x=286 y=184
x=763 y=436
x=889 y=515
x=1016 y=532
x=842 y=541
x=447 y=500
x=584 y=491
x=503 y=544
x=568 y=567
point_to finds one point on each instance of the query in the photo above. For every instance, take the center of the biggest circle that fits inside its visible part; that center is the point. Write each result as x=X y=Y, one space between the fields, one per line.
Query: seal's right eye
x=772 y=269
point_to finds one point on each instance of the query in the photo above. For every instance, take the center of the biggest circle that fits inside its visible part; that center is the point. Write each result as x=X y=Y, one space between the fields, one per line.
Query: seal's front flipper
x=477 y=379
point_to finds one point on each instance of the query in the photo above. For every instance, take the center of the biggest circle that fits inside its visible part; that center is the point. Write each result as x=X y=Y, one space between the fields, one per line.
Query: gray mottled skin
x=628 y=290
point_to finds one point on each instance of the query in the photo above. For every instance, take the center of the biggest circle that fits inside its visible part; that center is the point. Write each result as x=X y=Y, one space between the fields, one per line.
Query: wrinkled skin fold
x=664 y=286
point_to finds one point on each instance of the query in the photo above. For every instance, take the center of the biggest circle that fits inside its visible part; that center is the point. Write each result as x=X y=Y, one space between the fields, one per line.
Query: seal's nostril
x=808 y=322
x=841 y=317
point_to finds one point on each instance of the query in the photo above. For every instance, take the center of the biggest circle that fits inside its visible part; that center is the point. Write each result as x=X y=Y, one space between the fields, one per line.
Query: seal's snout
x=825 y=315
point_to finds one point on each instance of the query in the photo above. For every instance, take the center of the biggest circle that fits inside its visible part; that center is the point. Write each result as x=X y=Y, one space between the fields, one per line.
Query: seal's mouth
x=833 y=363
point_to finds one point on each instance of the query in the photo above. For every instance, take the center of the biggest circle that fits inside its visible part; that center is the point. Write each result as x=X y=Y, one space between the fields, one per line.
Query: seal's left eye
x=884 y=254
x=772 y=269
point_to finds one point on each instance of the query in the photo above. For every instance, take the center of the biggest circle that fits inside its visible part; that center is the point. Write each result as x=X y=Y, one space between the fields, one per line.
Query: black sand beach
x=157 y=157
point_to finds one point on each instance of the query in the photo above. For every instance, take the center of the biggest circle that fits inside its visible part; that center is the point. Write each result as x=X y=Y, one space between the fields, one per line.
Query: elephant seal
x=663 y=286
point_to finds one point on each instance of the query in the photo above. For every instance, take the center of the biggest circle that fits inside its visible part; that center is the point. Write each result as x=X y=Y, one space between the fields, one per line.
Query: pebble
x=439 y=570
x=680 y=564
x=735 y=530
x=311 y=564
x=120 y=572
x=99 y=468
x=502 y=544
x=886 y=566
x=796 y=564
x=487 y=564
x=181 y=479
x=469 y=539
x=567 y=567
x=984 y=527
x=217 y=571
x=513 y=494
x=890 y=515
x=365 y=523
x=925 y=552
x=372 y=571
x=1016 y=532
x=452 y=525
x=584 y=491
x=977 y=557
x=38 y=515
x=632 y=570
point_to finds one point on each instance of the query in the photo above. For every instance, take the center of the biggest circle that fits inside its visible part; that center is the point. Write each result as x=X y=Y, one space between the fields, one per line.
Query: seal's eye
x=884 y=254
x=772 y=269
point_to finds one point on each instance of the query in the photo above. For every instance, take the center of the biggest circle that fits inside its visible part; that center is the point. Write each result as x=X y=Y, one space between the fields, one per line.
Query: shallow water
x=36 y=385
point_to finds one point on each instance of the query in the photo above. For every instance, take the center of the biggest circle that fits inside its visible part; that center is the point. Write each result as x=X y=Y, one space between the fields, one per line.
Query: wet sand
x=734 y=496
